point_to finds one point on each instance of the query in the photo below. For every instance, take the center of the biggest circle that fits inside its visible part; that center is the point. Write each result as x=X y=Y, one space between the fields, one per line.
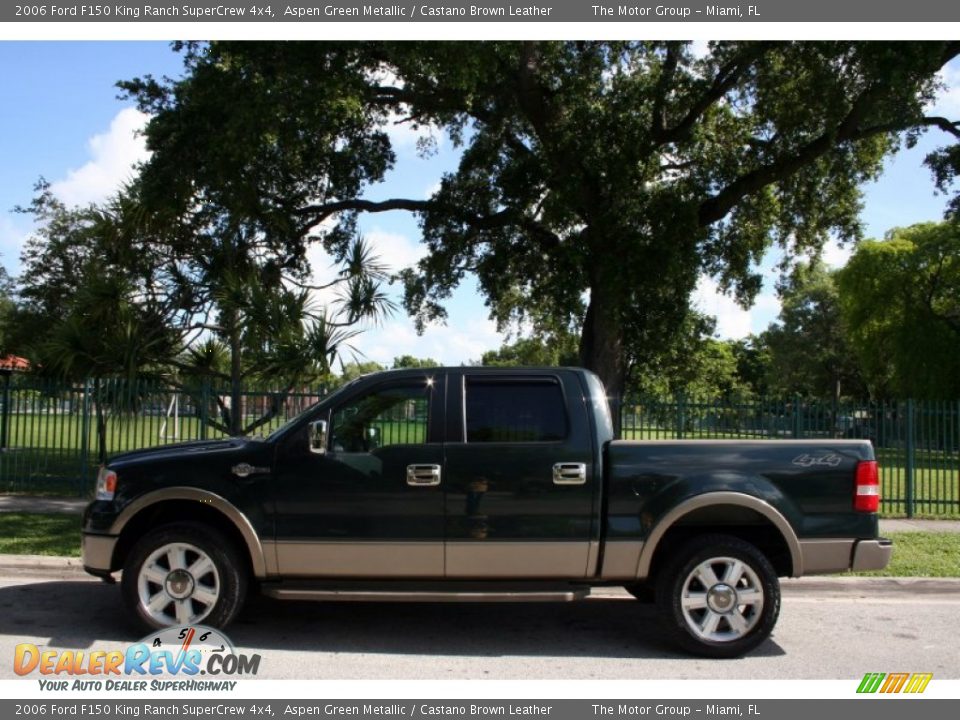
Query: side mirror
x=318 y=437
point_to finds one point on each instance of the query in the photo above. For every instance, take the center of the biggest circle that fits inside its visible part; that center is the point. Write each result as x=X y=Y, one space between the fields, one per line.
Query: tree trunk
x=101 y=422
x=601 y=348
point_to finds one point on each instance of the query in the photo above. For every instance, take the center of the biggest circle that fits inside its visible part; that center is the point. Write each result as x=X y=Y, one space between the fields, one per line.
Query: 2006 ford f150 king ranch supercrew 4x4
x=482 y=483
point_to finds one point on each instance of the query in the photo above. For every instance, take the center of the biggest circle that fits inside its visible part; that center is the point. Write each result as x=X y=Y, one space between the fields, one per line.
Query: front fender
x=210 y=499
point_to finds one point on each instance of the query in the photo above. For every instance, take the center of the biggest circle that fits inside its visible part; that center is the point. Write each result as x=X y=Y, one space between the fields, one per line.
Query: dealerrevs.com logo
x=172 y=659
x=894 y=683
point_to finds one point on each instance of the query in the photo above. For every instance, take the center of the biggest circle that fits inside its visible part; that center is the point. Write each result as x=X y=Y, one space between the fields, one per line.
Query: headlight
x=106 y=484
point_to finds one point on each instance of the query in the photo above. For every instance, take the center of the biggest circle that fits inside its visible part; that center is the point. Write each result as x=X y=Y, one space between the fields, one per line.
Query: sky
x=63 y=120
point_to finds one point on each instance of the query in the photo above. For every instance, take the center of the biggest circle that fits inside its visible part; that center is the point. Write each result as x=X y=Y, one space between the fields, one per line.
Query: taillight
x=106 y=484
x=866 y=495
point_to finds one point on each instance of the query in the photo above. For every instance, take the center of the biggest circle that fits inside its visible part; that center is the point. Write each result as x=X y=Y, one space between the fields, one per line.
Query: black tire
x=724 y=627
x=214 y=597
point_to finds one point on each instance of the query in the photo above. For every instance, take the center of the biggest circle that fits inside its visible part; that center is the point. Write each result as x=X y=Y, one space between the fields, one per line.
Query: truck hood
x=182 y=451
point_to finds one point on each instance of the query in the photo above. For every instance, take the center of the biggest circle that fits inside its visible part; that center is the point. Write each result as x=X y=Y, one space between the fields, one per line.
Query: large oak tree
x=597 y=182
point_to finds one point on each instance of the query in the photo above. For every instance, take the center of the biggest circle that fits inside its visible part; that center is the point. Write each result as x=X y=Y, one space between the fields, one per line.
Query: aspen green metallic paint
x=471 y=482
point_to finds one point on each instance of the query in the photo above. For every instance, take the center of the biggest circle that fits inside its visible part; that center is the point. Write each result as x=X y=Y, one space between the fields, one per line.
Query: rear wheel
x=719 y=596
x=183 y=574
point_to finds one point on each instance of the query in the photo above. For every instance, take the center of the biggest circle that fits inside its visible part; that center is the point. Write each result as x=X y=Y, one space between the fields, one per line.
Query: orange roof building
x=14 y=363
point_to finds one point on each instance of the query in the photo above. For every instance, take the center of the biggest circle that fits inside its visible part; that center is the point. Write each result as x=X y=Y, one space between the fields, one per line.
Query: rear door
x=519 y=481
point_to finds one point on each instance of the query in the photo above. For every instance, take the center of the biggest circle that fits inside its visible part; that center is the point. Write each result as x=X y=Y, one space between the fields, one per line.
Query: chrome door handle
x=569 y=473
x=423 y=475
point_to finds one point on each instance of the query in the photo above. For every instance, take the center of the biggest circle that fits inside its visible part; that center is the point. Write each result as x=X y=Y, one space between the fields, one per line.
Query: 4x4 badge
x=831 y=459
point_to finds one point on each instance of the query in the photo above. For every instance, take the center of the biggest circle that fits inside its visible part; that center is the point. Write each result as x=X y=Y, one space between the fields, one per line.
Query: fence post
x=204 y=404
x=6 y=408
x=797 y=423
x=911 y=458
x=681 y=399
x=84 y=435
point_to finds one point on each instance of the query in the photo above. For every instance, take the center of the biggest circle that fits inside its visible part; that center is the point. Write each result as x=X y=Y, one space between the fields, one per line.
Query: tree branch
x=658 y=120
x=319 y=213
x=948 y=126
x=716 y=207
x=530 y=93
x=726 y=78
x=276 y=400
x=503 y=218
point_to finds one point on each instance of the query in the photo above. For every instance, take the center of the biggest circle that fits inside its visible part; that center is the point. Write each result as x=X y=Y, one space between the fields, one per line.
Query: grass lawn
x=40 y=534
x=922 y=554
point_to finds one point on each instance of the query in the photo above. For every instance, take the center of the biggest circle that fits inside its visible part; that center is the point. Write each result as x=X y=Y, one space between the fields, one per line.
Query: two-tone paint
x=500 y=512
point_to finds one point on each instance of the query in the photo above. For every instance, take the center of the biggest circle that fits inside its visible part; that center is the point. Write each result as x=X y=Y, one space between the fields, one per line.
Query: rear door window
x=522 y=409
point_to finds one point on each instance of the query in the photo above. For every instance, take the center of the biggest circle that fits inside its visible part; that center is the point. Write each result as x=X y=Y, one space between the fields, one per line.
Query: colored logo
x=189 y=651
x=894 y=682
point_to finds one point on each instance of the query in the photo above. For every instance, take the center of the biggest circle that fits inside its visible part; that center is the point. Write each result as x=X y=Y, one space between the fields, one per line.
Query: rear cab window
x=520 y=409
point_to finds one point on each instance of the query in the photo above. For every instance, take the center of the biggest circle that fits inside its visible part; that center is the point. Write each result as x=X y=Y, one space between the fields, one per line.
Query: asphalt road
x=828 y=628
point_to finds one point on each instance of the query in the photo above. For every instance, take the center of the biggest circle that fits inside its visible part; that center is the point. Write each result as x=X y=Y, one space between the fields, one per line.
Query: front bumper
x=872 y=554
x=97 y=551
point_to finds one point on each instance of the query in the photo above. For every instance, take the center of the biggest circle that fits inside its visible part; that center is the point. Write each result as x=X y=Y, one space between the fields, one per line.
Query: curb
x=868 y=587
x=44 y=566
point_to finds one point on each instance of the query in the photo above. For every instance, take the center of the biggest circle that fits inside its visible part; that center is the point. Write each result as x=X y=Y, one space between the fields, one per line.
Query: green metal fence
x=50 y=432
x=917 y=443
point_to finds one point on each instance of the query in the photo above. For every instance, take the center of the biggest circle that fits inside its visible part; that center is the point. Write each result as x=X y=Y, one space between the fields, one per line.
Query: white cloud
x=453 y=344
x=12 y=239
x=733 y=322
x=948 y=101
x=835 y=255
x=395 y=250
x=700 y=49
x=113 y=155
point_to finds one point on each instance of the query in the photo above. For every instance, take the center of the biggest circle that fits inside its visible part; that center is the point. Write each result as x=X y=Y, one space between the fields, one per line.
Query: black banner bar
x=458 y=709
x=578 y=11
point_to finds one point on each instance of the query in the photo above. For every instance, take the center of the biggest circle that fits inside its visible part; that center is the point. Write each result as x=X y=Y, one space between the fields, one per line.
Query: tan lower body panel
x=872 y=554
x=98 y=551
x=522 y=559
x=361 y=559
x=621 y=559
x=826 y=556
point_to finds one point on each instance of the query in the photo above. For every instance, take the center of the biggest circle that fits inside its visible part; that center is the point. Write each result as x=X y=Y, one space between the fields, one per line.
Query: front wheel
x=719 y=596
x=183 y=574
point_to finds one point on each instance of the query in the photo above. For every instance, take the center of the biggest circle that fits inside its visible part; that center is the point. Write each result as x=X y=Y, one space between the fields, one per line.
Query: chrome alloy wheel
x=178 y=584
x=722 y=599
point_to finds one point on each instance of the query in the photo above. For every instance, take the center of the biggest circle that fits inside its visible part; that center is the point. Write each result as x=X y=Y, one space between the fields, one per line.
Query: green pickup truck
x=469 y=484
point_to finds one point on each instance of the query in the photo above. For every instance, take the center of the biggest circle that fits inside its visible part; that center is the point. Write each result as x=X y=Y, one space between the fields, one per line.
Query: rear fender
x=690 y=504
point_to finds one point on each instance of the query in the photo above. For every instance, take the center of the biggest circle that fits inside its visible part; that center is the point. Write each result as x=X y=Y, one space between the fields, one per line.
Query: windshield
x=276 y=434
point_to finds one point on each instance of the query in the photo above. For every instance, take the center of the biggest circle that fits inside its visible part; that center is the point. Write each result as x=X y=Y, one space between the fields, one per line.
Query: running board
x=291 y=591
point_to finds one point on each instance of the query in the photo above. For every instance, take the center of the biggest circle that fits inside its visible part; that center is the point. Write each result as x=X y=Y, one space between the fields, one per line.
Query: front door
x=372 y=504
